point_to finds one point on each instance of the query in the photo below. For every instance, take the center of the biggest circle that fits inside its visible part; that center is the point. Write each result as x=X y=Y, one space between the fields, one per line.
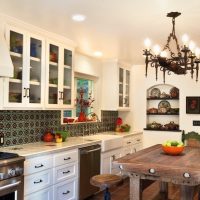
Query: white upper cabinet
x=116 y=86
x=26 y=87
x=59 y=76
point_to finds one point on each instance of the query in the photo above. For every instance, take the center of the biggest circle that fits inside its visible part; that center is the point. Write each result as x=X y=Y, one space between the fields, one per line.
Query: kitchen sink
x=108 y=142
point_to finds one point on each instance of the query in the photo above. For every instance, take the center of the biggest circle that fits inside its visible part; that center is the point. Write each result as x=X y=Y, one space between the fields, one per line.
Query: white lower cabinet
x=66 y=190
x=132 y=144
x=106 y=161
x=44 y=194
x=52 y=177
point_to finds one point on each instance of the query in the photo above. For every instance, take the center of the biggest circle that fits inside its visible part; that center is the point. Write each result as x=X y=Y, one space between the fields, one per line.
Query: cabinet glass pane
x=16 y=42
x=127 y=77
x=121 y=77
x=15 y=92
x=126 y=101
x=16 y=52
x=67 y=96
x=53 y=74
x=121 y=88
x=67 y=57
x=35 y=71
x=120 y=101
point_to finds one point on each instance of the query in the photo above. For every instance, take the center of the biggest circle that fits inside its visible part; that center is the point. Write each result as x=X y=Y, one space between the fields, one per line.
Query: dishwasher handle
x=89 y=151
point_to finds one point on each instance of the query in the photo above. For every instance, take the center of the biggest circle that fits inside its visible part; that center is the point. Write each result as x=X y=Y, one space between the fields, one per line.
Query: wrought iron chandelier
x=184 y=59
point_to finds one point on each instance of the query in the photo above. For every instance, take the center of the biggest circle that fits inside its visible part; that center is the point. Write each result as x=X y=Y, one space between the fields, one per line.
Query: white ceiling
x=115 y=27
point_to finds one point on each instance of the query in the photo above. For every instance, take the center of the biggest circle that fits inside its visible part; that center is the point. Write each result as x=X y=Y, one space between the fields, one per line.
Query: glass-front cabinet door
x=67 y=78
x=53 y=70
x=60 y=76
x=27 y=54
x=124 y=87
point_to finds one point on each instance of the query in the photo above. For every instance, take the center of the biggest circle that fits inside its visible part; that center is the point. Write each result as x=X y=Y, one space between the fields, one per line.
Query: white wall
x=137 y=116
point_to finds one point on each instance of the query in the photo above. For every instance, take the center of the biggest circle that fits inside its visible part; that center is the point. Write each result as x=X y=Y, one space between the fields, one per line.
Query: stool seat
x=105 y=180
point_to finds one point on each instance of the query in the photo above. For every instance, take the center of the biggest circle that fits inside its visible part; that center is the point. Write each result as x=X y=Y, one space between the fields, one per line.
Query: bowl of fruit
x=173 y=147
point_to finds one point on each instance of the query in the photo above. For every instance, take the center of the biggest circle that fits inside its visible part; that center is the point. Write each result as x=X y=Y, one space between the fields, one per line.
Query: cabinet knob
x=152 y=171
x=186 y=175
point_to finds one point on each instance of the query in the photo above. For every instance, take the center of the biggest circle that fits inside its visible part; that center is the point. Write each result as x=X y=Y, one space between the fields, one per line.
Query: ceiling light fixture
x=98 y=53
x=185 y=59
x=78 y=17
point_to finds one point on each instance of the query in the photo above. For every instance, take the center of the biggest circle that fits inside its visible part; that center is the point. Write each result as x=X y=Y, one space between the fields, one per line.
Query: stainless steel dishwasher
x=89 y=158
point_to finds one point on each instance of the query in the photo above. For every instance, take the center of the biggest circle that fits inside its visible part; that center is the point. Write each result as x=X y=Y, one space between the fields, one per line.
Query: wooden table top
x=153 y=161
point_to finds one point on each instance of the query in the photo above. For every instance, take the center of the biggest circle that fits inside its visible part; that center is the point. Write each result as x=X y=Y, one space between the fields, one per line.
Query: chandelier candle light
x=186 y=58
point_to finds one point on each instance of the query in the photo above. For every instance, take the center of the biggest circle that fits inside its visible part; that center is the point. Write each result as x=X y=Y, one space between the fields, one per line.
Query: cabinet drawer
x=38 y=181
x=37 y=164
x=44 y=194
x=65 y=157
x=137 y=139
x=128 y=141
x=64 y=172
x=65 y=190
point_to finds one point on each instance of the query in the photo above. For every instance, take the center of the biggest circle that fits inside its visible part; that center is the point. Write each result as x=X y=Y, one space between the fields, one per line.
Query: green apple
x=168 y=144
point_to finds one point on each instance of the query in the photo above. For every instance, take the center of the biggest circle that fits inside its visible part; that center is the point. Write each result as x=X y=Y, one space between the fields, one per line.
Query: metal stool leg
x=107 y=195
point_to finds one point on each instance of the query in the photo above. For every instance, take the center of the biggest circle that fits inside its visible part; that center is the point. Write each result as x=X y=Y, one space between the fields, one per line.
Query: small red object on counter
x=119 y=121
x=48 y=137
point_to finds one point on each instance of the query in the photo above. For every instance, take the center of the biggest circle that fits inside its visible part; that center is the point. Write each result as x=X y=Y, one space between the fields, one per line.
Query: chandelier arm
x=156 y=68
x=164 y=75
x=192 y=67
x=172 y=35
x=197 y=71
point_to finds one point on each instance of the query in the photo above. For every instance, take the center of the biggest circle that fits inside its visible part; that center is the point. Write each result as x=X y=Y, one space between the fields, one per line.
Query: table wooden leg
x=164 y=190
x=135 y=193
x=187 y=192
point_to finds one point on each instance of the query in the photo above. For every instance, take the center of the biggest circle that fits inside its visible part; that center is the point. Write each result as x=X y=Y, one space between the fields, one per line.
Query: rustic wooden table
x=153 y=164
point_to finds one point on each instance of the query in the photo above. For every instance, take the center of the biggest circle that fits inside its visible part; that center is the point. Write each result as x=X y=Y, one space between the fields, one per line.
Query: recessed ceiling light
x=78 y=17
x=98 y=53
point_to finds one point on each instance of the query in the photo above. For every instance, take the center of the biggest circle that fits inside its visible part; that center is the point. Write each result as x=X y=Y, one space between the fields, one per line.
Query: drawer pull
x=36 y=182
x=64 y=193
x=67 y=158
x=66 y=172
x=128 y=143
x=138 y=140
x=38 y=166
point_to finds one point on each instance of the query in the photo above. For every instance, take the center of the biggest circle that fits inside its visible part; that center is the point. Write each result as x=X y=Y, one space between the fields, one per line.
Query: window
x=87 y=86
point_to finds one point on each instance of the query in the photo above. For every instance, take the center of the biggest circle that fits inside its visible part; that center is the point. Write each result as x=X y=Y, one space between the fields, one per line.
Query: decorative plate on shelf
x=155 y=93
x=174 y=92
x=164 y=106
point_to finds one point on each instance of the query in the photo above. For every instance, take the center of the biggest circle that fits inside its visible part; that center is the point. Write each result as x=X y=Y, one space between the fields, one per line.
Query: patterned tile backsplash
x=21 y=127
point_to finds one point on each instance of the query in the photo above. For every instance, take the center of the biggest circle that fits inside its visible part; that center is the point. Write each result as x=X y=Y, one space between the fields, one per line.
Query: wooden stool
x=105 y=181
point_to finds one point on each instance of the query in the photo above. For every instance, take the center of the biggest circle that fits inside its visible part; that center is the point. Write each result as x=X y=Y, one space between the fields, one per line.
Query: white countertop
x=42 y=148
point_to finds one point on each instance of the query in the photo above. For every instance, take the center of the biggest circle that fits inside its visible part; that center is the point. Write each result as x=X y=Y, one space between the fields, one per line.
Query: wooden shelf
x=53 y=64
x=147 y=129
x=34 y=82
x=66 y=87
x=67 y=67
x=162 y=98
x=35 y=59
x=53 y=85
x=18 y=55
x=13 y=80
x=162 y=114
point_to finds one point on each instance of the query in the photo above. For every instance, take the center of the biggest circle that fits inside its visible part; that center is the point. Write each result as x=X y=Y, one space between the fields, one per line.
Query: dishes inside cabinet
x=164 y=107
x=174 y=92
x=155 y=93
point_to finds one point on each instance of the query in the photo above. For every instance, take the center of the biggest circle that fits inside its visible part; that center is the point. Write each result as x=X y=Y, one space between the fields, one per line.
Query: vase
x=81 y=117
